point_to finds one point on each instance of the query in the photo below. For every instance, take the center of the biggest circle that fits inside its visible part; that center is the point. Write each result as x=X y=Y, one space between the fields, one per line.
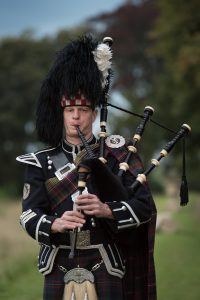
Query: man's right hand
x=69 y=220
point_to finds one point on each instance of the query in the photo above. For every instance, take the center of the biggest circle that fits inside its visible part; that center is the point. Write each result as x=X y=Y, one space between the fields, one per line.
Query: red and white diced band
x=78 y=100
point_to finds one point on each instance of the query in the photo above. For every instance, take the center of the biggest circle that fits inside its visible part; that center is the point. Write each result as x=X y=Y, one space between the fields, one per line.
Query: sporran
x=79 y=285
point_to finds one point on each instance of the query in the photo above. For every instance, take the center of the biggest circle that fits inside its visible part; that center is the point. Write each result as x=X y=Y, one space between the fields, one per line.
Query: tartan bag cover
x=59 y=190
x=140 y=283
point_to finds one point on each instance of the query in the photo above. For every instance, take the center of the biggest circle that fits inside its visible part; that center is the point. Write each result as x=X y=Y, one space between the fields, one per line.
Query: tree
x=24 y=63
x=134 y=68
x=156 y=57
x=177 y=45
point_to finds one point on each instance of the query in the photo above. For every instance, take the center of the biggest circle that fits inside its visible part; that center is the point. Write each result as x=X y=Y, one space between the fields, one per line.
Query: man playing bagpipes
x=96 y=236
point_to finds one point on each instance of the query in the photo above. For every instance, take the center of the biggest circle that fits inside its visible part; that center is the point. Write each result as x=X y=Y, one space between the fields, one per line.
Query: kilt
x=108 y=287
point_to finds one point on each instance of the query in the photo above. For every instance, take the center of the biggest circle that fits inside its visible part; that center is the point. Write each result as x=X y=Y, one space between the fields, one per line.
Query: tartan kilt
x=108 y=287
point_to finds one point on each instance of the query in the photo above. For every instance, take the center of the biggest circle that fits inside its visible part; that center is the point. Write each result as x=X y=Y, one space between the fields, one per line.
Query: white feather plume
x=102 y=56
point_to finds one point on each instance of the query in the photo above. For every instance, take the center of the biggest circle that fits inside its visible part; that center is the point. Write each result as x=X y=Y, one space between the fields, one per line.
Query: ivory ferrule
x=150 y=109
x=155 y=162
x=137 y=137
x=81 y=183
x=132 y=149
x=108 y=40
x=83 y=170
x=141 y=178
x=186 y=126
x=103 y=123
x=102 y=134
x=103 y=160
x=124 y=166
x=163 y=152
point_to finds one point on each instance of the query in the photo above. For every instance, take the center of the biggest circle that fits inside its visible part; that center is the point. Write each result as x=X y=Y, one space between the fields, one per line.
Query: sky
x=46 y=17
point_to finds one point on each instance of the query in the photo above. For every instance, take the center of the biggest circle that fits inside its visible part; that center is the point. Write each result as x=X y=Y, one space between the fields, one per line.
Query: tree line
x=155 y=62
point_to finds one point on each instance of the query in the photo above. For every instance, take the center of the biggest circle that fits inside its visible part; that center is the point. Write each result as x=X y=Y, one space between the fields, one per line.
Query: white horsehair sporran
x=79 y=285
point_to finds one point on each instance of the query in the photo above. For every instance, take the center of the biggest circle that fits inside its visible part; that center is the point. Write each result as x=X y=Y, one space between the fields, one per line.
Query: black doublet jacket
x=37 y=215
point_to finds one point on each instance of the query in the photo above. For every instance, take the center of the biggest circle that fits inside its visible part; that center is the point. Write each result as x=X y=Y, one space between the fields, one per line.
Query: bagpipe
x=90 y=165
x=145 y=118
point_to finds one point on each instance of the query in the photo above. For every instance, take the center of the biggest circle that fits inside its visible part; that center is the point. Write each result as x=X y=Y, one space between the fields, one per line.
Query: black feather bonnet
x=75 y=70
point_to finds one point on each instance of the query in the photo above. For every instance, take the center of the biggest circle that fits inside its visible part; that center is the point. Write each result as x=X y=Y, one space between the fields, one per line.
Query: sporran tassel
x=80 y=291
x=79 y=285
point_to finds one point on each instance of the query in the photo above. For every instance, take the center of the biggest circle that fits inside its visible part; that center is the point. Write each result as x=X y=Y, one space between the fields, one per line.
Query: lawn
x=176 y=255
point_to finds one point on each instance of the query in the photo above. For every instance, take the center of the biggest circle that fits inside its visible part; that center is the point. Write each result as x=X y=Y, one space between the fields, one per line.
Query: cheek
x=91 y=120
x=65 y=120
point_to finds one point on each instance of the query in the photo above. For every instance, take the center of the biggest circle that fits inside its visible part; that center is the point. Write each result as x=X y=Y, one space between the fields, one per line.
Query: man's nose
x=76 y=114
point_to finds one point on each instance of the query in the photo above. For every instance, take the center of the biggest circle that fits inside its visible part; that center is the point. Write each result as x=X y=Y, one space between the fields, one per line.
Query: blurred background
x=156 y=62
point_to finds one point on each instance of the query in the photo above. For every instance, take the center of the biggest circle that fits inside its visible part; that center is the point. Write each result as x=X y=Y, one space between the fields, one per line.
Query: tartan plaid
x=135 y=163
x=58 y=191
x=108 y=287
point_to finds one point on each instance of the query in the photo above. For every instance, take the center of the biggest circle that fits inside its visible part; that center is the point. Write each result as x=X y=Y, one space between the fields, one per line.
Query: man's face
x=82 y=116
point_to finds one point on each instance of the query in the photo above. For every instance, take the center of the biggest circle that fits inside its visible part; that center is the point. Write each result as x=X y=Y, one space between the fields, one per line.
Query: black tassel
x=184 y=192
x=184 y=198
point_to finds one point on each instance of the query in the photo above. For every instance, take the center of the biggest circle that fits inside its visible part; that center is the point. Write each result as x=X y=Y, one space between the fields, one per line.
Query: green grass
x=21 y=281
x=176 y=255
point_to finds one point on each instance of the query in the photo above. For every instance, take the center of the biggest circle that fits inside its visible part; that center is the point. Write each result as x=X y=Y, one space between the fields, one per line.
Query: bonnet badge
x=115 y=141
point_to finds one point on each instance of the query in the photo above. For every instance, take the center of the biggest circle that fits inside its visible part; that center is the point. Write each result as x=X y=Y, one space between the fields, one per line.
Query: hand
x=91 y=205
x=69 y=220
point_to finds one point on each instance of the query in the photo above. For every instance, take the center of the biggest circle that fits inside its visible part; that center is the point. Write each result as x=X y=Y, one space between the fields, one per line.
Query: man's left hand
x=91 y=205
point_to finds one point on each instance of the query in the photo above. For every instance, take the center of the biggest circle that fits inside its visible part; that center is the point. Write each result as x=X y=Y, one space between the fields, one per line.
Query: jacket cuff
x=123 y=214
x=43 y=229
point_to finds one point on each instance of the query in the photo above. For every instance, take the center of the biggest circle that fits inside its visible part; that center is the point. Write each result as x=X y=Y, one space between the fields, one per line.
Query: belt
x=84 y=238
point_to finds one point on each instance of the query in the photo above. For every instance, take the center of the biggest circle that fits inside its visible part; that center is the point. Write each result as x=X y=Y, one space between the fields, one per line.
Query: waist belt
x=84 y=238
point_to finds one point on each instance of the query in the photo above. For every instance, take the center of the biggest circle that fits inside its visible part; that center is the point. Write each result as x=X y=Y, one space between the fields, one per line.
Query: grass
x=19 y=278
x=21 y=281
x=176 y=255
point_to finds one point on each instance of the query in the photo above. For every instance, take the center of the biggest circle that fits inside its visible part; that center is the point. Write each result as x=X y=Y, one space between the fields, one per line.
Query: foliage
x=177 y=46
x=133 y=68
x=156 y=57
x=156 y=62
x=24 y=62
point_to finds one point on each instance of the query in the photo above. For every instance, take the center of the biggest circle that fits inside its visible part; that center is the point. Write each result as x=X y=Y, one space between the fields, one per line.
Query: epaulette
x=31 y=158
